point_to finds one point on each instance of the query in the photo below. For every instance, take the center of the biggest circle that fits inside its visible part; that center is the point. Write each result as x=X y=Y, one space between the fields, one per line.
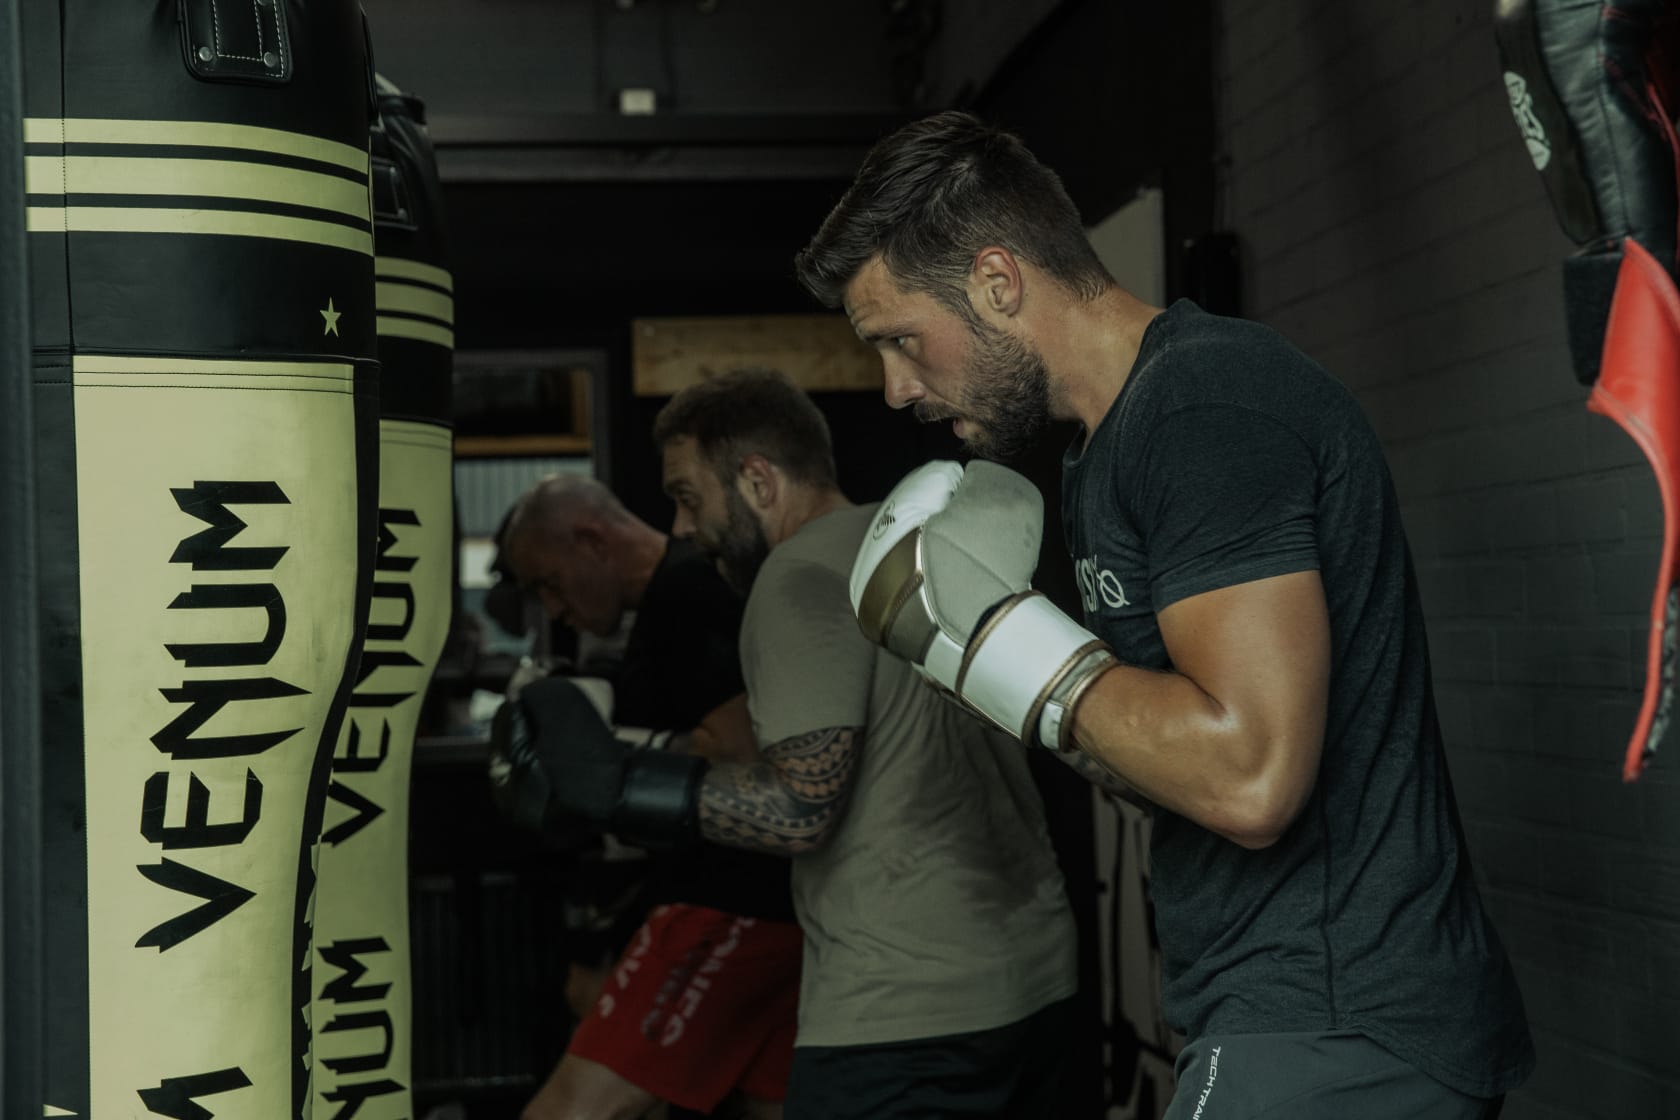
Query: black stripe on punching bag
x=222 y=216
x=206 y=400
x=226 y=152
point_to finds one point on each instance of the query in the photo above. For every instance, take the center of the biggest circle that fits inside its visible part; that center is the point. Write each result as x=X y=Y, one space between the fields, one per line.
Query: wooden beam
x=530 y=403
x=821 y=353
x=512 y=447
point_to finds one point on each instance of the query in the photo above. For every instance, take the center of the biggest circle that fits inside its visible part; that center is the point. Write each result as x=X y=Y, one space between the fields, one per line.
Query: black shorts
x=1013 y=1072
x=1310 y=1075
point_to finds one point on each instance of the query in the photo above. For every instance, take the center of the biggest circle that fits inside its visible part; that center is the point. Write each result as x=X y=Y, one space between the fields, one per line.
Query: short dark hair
x=934 y=193
x=751 y=412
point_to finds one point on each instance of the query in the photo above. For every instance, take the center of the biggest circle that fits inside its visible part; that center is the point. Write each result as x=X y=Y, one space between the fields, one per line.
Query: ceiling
x=568 y=216
x=624 y=90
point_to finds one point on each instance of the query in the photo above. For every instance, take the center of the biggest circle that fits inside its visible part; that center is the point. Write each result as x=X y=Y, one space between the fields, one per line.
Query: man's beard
x=1006 y=398
x=743 y=547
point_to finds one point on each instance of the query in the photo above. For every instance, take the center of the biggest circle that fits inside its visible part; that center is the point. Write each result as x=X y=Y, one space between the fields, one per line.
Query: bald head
x=571 y=542
x=559 y=503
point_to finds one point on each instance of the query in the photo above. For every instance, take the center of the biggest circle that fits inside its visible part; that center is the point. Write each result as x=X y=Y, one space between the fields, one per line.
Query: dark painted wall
x=1395 y=227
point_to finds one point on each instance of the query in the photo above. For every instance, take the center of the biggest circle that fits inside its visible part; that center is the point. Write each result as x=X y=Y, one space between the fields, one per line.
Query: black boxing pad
x=1593 y=88
x=363 y=997
x=1591 y=85
x=205 y=397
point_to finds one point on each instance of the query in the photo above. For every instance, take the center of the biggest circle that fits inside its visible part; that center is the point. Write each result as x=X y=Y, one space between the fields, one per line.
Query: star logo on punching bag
x=331 y=317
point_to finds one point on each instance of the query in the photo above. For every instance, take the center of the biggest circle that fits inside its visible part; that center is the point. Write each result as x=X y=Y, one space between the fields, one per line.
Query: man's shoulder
x=813 y=567
x=1217 y=359
x=686 y=571
x=830 y=541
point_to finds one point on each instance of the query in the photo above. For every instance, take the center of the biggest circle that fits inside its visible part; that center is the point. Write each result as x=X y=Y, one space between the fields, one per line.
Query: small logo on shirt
x=1098 y=583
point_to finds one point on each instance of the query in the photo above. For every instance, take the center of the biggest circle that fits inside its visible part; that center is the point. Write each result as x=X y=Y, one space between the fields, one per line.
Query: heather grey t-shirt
x=936 y=907
x=1229 y=456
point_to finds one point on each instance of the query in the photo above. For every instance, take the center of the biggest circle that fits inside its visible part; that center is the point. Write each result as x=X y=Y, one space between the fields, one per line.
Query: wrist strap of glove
x=1027 y=630
x=1055 y=726
x=660 y=802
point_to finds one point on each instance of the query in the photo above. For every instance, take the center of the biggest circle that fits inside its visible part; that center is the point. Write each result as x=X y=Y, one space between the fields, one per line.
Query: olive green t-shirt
x=936 y=907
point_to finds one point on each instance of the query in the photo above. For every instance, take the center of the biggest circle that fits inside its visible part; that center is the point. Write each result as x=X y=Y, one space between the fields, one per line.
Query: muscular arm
x=1231 y=738
x=789 y=800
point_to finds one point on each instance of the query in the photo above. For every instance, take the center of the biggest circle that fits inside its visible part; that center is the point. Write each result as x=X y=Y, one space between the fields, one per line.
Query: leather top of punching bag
x=416 y=302
x=206 y=210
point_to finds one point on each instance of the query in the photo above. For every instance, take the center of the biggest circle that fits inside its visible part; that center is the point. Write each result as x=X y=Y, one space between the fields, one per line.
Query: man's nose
x=901 y=387
x=683 y=525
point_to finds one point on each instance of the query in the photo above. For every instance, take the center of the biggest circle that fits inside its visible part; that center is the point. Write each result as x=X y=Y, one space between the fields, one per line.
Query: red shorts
x=700 y=1003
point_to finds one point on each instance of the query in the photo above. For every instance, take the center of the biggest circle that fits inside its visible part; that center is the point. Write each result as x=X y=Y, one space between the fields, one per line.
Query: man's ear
x=759 y=482
x=590 y=536
x=995 y=283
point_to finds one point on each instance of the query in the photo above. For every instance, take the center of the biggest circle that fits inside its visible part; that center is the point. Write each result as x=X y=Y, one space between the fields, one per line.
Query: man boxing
x=1252 y=659
x=700 y=1003
x=939 y=961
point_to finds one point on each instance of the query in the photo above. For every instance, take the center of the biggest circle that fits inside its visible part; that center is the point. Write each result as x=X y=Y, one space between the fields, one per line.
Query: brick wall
x=1394 y=227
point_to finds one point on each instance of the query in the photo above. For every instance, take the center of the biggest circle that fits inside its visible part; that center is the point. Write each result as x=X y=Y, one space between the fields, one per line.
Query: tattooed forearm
x=785 y=802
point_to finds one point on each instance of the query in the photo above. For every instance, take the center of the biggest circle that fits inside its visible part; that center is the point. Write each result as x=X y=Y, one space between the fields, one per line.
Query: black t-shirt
x=681 y=660
x=1228 y=457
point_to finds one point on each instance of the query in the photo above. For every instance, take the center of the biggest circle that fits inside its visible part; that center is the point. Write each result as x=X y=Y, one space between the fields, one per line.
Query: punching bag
x=205 y=392
x=363 y=1001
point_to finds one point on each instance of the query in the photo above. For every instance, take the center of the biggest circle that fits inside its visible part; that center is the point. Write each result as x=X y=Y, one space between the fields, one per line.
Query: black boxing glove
x=554 y=758
x=1593 y=87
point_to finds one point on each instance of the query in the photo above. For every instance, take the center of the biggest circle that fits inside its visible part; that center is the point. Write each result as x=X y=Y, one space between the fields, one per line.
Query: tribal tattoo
x=784 y=803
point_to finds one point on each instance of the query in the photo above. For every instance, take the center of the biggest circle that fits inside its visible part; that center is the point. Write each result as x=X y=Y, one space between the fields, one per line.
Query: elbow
x=815 y=831
x=1255 y=837
x=826 y=826
x=813 y=838
x=1260 y=812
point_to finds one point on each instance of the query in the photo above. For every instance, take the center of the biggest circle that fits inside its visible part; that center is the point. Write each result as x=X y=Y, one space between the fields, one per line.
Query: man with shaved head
x=700 y=1004
x=571 y=543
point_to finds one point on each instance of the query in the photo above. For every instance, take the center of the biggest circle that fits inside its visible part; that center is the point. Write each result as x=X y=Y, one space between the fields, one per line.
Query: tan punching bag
x=363 y=999
x=205 y=396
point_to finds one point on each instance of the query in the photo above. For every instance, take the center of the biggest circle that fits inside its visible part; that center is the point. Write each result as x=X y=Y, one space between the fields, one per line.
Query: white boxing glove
x=943 y=580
